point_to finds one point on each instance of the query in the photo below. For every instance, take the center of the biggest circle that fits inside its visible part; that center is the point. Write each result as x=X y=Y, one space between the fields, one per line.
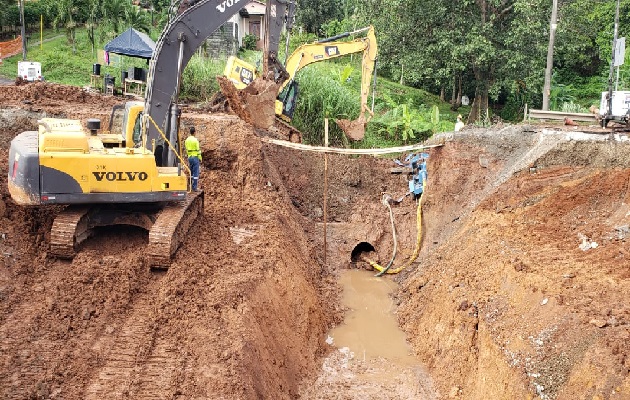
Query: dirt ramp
x=256 y=274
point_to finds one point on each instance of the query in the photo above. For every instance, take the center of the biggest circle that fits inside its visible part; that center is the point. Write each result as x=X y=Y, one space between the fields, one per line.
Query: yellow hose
x=416 y=252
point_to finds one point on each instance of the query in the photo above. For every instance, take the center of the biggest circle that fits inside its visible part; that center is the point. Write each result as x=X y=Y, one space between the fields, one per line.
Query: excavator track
x=170 y=228
x=69 y=229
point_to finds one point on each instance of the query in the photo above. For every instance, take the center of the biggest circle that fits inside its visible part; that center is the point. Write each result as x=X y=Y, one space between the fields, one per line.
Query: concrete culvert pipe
x=360 y=250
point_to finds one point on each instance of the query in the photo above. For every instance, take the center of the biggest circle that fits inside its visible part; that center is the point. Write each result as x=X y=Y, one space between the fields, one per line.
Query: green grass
x=61 y=65
x=332 y=90
x=322 y=95
x=199 y=81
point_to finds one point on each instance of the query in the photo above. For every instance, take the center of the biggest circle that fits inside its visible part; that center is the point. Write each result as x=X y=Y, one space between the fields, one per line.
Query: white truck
x=620 y=107
x=30 y=71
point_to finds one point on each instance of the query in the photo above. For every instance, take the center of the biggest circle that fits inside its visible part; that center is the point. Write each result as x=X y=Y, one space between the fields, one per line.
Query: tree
x=495 y=42
x=138 y=19
x=65 y=13
x=10 y=15
x=4 y=7
x=114 y=14
x=313 y=14
x=92 y=23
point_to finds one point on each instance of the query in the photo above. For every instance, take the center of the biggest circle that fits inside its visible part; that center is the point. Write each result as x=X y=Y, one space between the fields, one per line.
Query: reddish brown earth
x=502 y=303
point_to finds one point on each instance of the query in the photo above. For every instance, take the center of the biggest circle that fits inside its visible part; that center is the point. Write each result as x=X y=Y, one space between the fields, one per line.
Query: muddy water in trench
x=370 y=357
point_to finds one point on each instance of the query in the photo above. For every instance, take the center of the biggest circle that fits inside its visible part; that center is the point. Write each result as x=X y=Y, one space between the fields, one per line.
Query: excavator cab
x=239 y=72
x=124 y=128
x=287 y=101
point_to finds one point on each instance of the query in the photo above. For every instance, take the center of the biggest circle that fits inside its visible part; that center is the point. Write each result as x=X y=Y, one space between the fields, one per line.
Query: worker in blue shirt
x=194 y=157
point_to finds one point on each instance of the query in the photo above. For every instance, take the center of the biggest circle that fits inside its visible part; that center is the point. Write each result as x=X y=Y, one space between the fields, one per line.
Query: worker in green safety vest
x=194 y=157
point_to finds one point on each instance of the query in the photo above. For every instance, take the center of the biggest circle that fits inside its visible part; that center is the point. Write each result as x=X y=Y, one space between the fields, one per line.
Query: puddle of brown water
x=372 y=359
x=370 y=329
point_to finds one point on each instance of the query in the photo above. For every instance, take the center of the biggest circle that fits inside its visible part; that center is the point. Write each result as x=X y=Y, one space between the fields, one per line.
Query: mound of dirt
x=522 y=288
x=57 y=100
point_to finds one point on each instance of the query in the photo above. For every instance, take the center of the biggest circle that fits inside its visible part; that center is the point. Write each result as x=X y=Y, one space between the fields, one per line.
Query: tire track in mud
x=139 y=364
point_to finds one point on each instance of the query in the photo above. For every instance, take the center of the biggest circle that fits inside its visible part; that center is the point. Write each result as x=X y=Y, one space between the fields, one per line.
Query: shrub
x=249 y=42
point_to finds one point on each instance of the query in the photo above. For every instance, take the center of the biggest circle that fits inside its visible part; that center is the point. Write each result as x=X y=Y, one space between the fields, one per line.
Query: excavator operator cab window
x=137 y=132
x=289 y=98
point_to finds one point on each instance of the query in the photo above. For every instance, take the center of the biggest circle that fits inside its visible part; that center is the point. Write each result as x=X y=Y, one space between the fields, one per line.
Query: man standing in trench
x=194 y=157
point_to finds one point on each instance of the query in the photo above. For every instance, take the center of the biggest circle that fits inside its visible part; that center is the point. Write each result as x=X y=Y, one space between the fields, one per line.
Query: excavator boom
x=177 y=44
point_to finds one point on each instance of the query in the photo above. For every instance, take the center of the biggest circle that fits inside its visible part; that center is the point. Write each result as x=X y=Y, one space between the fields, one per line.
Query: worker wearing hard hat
x=459 y=124
x=194 y=157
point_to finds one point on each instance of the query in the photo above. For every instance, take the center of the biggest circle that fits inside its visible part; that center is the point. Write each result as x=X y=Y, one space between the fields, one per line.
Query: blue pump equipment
x=417 y=163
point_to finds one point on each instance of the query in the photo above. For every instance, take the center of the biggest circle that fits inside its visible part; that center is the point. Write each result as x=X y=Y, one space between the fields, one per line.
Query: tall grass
x=321 y=96
x=199 y=81
x=402 y=114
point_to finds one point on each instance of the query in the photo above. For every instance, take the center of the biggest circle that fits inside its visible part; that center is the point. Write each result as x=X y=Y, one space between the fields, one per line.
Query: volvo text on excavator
x=241 y=74
x=134 y=175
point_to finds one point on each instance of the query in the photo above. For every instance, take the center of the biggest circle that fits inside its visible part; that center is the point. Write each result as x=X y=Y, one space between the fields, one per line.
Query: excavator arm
x=331 y=48
x=273 y=69
x=184 y=34
x=327 y=49
x=241 y=74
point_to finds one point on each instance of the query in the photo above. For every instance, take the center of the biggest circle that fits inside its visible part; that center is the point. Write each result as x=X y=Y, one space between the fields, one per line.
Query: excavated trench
x=520 y=290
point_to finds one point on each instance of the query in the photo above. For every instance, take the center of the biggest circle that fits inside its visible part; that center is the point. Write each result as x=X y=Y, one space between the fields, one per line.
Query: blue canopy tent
x=131 y=43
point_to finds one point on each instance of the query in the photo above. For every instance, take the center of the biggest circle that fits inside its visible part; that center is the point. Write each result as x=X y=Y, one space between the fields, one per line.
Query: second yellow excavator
x=242 y=74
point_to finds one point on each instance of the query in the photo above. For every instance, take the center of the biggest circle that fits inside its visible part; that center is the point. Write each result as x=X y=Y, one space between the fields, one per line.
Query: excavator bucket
x=354 y=129
x=255 y=104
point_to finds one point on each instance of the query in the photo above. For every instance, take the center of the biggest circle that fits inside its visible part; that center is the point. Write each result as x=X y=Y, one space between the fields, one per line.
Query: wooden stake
x=325 y=187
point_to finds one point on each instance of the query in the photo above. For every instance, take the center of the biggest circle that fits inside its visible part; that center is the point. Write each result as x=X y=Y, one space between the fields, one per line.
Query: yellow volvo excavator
x=242 y=74
x=133 y=174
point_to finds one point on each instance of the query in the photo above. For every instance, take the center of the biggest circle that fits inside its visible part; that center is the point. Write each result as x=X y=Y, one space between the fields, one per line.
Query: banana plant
x=406 y=122
x=344 y=74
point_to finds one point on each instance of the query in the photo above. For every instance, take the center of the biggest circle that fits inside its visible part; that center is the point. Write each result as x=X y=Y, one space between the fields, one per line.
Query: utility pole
x=553 y=25
x=23 y=30
x=612 y=64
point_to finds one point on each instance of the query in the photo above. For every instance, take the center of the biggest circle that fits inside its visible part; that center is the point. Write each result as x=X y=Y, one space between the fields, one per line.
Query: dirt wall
x=525 y=296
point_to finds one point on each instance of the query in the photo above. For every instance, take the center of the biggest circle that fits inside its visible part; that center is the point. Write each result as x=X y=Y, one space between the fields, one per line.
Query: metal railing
x=559 y=115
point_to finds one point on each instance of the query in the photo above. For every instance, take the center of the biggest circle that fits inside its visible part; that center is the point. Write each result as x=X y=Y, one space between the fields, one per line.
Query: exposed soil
x=521 y=289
